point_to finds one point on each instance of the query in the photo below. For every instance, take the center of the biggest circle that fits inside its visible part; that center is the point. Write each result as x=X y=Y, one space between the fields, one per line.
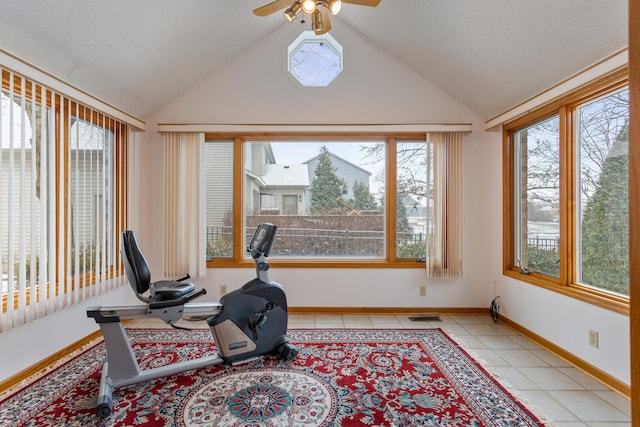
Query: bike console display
x=262 y=240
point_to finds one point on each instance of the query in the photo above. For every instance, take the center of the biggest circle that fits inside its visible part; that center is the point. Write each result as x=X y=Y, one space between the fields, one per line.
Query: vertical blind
x=444 y=223
x=62 y=200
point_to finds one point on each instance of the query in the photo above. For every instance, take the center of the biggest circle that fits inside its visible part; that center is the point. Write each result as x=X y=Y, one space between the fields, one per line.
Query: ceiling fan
x=318 y=9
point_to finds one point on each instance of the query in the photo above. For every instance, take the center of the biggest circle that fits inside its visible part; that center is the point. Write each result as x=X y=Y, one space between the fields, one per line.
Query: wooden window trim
x=388 y=261
x=565 y=107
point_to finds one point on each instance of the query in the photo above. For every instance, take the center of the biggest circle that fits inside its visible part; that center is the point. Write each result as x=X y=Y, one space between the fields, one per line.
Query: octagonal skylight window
x=315 y=61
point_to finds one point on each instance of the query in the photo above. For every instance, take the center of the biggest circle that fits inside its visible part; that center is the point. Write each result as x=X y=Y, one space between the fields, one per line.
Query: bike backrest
x=135 y=265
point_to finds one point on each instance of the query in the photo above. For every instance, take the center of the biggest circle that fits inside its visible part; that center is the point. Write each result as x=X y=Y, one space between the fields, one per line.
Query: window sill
x=602 y=299
x=318 y=263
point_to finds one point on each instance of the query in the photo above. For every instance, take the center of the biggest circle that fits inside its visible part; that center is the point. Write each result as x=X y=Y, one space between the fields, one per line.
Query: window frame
x=565 y=107
x=61 y=114
x=389 y=260
x=308 y=36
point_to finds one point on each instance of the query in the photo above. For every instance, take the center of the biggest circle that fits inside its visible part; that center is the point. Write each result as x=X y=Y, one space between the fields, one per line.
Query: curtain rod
x=425 y=127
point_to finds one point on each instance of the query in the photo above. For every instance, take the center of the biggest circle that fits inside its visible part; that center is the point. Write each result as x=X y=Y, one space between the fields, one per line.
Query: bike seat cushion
x=164 y=290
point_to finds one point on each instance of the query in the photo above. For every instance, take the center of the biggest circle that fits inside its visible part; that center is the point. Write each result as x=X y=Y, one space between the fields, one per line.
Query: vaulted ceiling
x=139 y=54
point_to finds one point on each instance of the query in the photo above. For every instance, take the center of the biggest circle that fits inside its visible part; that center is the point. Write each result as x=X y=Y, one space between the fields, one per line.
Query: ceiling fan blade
x=372 y=3
x=326 y=22
x=272 y=7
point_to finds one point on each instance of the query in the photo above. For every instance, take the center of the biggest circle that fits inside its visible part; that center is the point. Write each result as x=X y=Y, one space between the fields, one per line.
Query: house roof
x=286 y=176
x=339 y=158
x=138 y=55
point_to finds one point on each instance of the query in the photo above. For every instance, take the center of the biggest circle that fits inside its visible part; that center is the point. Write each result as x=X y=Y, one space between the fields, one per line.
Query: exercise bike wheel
x=104 y=409
x=287 y=351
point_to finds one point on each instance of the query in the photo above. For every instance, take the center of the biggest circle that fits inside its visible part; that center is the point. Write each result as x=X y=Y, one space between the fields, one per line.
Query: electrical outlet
x=593 y=338
x=223 y=289
x=423 y=291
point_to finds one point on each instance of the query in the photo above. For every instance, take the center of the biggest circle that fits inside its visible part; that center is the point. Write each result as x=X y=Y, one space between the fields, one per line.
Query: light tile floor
x=564 y=393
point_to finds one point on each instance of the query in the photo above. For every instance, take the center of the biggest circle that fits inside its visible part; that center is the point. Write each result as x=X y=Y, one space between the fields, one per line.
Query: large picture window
x=336 y=201
x=566 y=177
x=326 y=197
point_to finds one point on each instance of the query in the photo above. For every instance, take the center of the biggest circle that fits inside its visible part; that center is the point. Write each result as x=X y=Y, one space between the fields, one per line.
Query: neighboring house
x=9 y=219
x=269 y=188
x=86 y=167
x=87 y=205
x=218 y=198
x=13 y=217
x=416 y=207
x=344 y=169
x=257 y=156
x=417 y=210
x=284 y=189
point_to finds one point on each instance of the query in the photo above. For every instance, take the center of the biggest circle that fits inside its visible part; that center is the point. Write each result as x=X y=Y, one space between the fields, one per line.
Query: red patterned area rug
x=341 y=377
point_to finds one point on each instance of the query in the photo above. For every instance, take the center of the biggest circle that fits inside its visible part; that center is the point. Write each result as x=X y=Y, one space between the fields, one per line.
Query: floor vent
x=425 y=317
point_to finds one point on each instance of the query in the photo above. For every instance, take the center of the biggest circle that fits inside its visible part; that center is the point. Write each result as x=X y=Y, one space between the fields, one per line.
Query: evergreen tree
x=402 y=222
x=327 y=188
x=605 y=223
x=362 y=199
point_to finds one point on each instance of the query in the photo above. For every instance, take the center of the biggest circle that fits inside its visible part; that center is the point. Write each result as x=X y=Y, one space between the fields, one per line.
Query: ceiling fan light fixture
x=334 y=6
x=308 y=6
x=316 y=21
x=318 y=9
x=293 y=11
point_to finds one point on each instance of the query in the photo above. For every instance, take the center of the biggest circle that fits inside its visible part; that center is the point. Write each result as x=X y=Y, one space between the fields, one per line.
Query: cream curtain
x=184 y=226
x=444 y=220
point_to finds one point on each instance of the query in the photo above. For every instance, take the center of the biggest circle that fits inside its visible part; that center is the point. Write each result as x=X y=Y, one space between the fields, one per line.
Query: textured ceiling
x=138 y=54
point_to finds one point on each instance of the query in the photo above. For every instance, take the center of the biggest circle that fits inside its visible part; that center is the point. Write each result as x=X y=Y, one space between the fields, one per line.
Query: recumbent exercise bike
x=247 y=323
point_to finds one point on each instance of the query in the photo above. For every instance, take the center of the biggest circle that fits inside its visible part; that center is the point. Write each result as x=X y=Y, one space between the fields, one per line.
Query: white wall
x=374 y=88
x=560 y=319
x=26 y=345
x=566 y=322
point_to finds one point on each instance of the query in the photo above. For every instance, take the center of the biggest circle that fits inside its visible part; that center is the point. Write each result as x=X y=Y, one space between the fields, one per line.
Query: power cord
x=494 y=309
